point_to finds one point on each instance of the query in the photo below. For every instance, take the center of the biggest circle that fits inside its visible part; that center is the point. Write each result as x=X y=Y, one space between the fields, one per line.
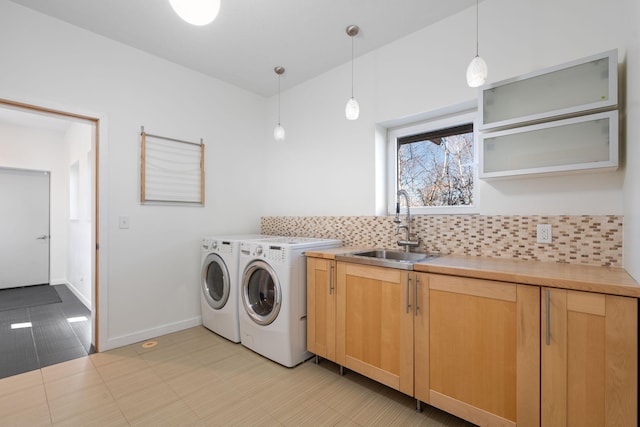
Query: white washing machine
x=219 y=284
x=273 y=290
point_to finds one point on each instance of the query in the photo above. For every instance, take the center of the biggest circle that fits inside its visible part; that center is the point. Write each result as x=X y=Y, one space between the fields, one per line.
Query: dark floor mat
x=28 y=296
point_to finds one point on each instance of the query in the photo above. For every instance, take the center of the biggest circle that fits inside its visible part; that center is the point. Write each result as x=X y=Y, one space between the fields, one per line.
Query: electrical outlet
x=543 y=233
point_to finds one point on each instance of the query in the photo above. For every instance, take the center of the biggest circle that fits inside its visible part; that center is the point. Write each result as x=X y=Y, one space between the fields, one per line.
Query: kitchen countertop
x=607 y=280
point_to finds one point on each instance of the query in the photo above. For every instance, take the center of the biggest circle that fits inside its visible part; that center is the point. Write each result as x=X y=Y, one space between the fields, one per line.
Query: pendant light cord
x=352 y=67
x=278 y=99
x=477 y=28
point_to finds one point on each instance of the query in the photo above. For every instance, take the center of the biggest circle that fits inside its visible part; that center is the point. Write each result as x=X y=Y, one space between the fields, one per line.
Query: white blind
x=172 y=170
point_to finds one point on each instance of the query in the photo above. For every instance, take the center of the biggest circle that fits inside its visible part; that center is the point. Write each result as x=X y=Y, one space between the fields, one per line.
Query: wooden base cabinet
x=321 y=308
x=493 y=353
x=375 y=323
x=589 y=356
x=482 y=351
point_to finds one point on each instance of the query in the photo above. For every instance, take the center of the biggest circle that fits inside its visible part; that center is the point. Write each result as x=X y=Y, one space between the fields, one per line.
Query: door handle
x=407 y=293
x=547 y=318
x=43 y=237
x=330 y=278
x=415 y=295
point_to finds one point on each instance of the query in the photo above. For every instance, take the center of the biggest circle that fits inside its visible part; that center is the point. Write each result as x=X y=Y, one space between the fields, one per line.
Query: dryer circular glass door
x=215 y=281
x=261 y=292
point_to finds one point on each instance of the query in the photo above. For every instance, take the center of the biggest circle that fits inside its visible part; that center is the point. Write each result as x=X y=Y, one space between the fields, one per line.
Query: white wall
x=149 y=272
x=327 y=164
x=25 y=148
x=78 y=140
x=632 y=122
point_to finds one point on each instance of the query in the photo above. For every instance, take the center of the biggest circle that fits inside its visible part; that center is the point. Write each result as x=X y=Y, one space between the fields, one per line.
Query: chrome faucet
x=407 y=242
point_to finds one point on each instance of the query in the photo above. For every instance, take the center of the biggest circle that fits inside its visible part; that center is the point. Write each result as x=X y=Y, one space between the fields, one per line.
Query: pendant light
x=352 y=110
x=477 y=69
x=196 y=12
x=278 y=131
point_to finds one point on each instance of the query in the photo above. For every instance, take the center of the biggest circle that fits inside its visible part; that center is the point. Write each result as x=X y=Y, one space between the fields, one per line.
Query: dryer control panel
x=265 y=250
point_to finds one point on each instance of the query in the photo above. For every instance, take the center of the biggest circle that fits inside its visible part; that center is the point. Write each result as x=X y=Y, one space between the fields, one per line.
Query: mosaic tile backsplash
x=584 y=239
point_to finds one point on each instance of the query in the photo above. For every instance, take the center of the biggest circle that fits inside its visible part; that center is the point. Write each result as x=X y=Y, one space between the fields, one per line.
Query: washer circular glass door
x=215 y=281
x=261 y=292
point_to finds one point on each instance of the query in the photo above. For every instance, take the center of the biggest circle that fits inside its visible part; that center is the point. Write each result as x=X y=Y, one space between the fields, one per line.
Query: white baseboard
x=123 y=340
x=73 y=290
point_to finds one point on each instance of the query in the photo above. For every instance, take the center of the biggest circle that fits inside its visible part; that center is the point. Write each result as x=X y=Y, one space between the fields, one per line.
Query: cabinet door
x=321 y=308
x=589 y=359
x=576 y=144
x=421 y=337
x=484 y=350
x=375 y=323
x=580 y=86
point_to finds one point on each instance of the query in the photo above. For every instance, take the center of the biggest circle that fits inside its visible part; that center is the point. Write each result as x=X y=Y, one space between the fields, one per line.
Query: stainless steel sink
x=393 y=255
x=385 y=258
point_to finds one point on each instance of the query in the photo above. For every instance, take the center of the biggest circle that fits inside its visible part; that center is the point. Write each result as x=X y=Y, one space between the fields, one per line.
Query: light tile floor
x=195 y=378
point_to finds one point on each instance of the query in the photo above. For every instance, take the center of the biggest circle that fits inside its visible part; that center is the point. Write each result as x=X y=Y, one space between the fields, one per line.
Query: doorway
x=77 y=279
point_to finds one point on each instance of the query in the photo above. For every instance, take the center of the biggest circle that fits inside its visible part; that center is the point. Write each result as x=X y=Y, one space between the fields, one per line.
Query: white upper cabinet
x=582 y=86
x=561 y=119
x=576 y=144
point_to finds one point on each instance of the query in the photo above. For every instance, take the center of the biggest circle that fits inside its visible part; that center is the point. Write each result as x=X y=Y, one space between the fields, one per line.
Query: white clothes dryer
x=273 y=290
x=219 y=284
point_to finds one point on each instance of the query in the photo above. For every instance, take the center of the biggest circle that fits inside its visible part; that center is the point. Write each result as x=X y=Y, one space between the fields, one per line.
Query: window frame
x=434 y=124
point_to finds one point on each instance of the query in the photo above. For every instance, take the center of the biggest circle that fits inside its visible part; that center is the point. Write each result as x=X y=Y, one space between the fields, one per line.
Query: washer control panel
x=264 y=250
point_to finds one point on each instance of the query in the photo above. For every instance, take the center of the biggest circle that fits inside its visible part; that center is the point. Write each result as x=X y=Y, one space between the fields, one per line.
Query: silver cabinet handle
x=415 y=295
x=330 y=278
x=548 y=317
x=407 y=292
x=43 y=237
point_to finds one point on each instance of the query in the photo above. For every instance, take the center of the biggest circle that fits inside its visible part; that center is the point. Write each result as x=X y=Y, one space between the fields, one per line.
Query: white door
x=24 y=228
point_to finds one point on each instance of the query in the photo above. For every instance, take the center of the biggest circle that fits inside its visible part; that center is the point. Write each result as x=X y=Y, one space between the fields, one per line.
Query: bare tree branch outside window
x=437 y=171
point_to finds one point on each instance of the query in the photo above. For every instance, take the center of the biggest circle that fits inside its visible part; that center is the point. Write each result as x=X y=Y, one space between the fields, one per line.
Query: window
x=434 y=162
x=436 y=167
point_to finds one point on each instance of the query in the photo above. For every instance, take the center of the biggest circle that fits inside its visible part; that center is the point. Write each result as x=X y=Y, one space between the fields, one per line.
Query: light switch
x=123 y=221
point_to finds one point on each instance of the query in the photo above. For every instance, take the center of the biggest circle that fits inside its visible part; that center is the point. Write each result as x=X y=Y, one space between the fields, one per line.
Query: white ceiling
x=250 y=37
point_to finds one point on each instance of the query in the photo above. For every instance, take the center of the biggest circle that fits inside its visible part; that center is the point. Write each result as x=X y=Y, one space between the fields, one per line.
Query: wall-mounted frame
x=172 y=171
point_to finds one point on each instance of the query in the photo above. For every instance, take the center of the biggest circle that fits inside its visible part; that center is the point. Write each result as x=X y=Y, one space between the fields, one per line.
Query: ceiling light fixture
x=352 y=110
x=477 y=70
x=196 y=12
x=278 y=132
